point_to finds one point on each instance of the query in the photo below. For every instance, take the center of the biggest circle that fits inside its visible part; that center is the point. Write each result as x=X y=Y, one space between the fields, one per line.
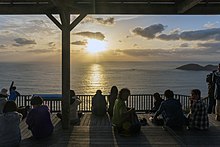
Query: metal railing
x=141 y=102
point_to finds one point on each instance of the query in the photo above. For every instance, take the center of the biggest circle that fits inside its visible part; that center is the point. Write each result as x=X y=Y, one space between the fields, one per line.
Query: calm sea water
x=86 y=78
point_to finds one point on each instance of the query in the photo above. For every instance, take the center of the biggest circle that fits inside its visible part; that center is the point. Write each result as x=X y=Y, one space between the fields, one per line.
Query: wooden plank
x=104 y=135
x=186 y=5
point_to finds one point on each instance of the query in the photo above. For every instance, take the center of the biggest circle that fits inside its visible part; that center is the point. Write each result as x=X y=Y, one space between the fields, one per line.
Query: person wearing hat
x=3 y=99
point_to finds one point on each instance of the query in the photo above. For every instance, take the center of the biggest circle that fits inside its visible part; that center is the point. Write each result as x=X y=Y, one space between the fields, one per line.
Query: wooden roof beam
x=186 y=5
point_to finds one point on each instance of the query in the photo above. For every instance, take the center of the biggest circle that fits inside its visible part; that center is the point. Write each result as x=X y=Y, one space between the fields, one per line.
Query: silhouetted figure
x=38 y=119
x=111 y=99
x=99 y=104
x=198 y=116
x=10 y=135
x=216 y=81
x=211 y=90
x=3 y=99
x=171 y=111
x=74 y=103
x=125 y=119
x=157 y=102
x=13 y=93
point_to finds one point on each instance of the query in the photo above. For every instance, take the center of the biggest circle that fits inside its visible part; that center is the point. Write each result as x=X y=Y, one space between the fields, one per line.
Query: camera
x=209 y=78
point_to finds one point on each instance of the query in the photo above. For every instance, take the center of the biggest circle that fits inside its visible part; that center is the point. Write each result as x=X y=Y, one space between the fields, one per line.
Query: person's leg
x=217 y=110
x=211 y=103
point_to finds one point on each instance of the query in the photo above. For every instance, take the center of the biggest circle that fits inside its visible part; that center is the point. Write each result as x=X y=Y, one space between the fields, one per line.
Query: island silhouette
x=197 y=67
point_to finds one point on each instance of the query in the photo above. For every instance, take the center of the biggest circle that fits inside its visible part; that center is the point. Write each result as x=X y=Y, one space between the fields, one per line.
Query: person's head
x=99 y=92
x=156 y=96
x=124 y=93
x=72 y=93
x=195 y=94
x=114 y=90
x=36 y=101
x=13 y=88
x=3 y=92
x=10 y=106
x=169 y=94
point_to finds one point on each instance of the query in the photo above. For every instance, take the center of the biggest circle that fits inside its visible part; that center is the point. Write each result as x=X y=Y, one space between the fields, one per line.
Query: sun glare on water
x=95 y=46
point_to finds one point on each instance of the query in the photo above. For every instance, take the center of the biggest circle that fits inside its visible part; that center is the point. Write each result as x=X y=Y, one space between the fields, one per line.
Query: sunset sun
x=95 y=46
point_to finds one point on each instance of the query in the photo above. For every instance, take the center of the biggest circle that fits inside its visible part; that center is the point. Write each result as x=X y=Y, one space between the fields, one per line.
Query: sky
x=112 y=38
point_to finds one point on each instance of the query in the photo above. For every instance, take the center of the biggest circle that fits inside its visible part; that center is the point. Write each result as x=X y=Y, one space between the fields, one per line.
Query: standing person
x=111 y=99
x=211 y=90
x=10 y=135
x=13 y=93
x=198 y=116
x=3 y=99
x=216 y=80
x=124 y=118
x=158 y=101
x=99 y=104
x=38 y=119
x=171 y=110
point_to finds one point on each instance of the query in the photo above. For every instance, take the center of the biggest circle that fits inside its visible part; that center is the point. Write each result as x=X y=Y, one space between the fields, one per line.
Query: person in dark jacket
x=38 y=119
x=216 y=80
x=157 y=102
x=99 y=104
x=171 y=111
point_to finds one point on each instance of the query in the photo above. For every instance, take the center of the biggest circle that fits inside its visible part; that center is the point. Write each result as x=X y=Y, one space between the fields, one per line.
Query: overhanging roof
x=172 y=7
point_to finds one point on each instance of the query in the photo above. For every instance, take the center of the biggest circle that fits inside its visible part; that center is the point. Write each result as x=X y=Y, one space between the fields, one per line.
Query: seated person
x=74 y=103
x=3 y=99
x=111 y=99
x=38 y=119
x=171 y=111
x=10 y=119
x=198 y=116
x=99 y=104
x=125 y=119
x=157 y=102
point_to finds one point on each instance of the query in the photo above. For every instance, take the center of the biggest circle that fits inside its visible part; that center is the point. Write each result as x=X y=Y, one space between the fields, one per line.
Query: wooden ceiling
x=141 y=7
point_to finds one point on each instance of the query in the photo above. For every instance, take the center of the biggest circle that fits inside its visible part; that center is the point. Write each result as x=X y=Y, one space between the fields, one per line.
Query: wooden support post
x=65 y=70
x=66 y=27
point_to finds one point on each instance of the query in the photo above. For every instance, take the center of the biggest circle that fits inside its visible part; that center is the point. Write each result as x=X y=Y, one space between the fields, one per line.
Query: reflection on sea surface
x=94 y=78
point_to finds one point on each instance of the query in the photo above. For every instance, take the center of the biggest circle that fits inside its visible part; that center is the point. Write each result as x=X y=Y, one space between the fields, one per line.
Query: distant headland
x=197 y=67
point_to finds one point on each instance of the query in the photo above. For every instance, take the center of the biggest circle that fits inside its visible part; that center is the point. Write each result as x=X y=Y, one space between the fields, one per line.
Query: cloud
x=2 y=46
x=23 y=41
x=200 y=35
x=169 y=37
x=99 y=20
x=184 y=45
x=210 y=25
x=212 y=45
x=208 y=34
x=92 y=35
x=145 y=52
x=150 y=31
x=40 y=51
x=79 y=43
x=135 y=45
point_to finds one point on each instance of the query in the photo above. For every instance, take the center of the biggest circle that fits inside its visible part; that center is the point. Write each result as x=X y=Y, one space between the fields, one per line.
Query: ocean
x=140 y=77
